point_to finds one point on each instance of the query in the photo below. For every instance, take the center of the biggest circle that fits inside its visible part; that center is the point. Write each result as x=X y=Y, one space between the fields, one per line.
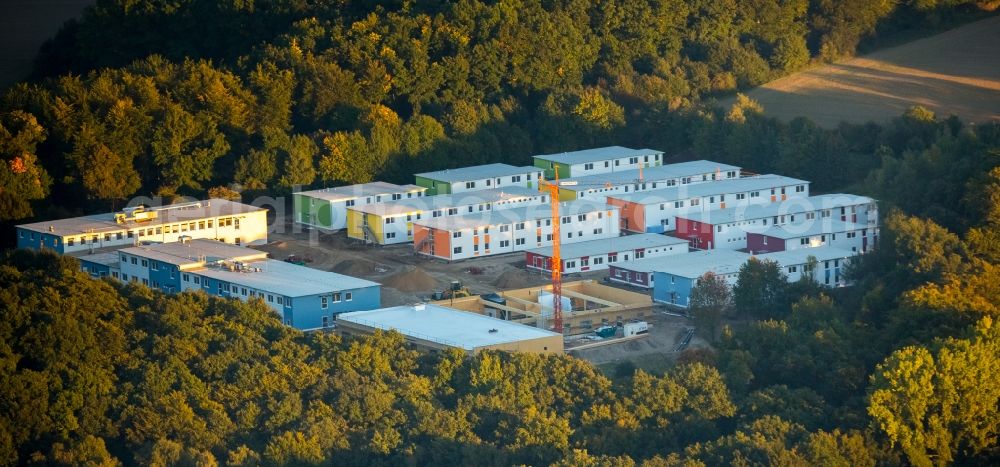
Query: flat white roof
x=478 y=172
x=801 y=255
x=182 y=212
x=596 y=154
x=512 y=215
x=446 y=326
x=792 y=205
x=715 y=187
x=194 y=251
x=107 y=258
x=466 y=198
x=648 y=175
x=356 y=191
x=807 y=229
x=281 y=278
x=691 y=265
x=611 y=245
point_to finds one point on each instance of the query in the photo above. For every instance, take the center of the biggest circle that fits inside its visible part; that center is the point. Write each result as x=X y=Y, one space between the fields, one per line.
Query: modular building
x=478 y=177
x=655 y=210
x=303 y=297
x=725 y=263
x=727 y=228
x=510 y=230
x=437 y=327
x=392 y=222
x=597 y=161
x=596 y=255
x=223 y=220
x=327 y=208
x=825 y=264
x=600 y=187
x=858 y=238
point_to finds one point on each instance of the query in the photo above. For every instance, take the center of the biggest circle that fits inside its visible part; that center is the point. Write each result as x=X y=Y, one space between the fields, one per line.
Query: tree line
x=153 y=98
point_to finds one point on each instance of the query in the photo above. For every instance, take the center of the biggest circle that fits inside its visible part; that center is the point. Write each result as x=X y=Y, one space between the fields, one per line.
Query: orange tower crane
x=556 y=260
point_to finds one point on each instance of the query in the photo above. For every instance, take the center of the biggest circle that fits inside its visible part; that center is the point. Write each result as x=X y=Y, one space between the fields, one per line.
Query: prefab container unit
x=654 y=210
x=600 y=187
x=690 y=265
x=434 y=327
x=825 y=264
x=478 y=177
x=303 y=297
x=392 y=222
x=220 y=219
x=327 y=208
x=596 y=255
x=510 y=230
x=727 y=228
x=597 y=161
x=857 y=238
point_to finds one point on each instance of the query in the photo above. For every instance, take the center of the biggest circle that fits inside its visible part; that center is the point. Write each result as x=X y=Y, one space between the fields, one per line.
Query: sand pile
x=513 y=279
x=354 y=267
x=412 y=280
x=279 y=245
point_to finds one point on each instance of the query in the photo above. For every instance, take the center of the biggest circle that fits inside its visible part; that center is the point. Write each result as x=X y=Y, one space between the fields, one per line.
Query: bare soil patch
x=953 y=73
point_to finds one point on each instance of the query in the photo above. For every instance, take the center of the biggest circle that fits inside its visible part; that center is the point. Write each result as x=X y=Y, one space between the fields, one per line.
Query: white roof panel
x=512 y=215
x=446 y=326
x=693 y=190
x=596 y=154
x=286 y=279
x=478 y=172
x=692 y=265
x=801 y=255
x=183 y=212
x=430 y=203
x=789 y=206
x=648 y=175
x=611 y=245
x=364 y=189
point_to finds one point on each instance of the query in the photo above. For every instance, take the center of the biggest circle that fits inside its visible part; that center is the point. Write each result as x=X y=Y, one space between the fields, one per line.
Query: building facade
x=510 y=230
x=597 y=161
x=392 y=222
x=600 y=187
x=303 y=297
x=327 y=208
x=478 y=177
x=728 y=228
x=642 y=273
x=596 y=255
x=844 y=235
x=219 y=219
x=654 y=211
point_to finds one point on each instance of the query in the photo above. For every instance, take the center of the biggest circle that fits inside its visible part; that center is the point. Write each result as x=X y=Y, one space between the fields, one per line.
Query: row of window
x=490 y=182
x=166 y=229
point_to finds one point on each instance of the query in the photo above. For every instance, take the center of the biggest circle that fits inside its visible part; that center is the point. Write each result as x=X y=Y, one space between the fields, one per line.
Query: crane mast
x=556 y=266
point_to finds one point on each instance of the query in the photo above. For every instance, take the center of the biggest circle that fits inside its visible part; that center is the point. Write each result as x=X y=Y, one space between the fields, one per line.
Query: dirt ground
x=953 y=73
x=655 y=352
x=406 y=276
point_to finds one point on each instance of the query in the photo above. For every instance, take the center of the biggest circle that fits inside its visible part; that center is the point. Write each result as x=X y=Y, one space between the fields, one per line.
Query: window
x=718 y=228
x=570 y=264
x=740 y=196
x=598 y=231
x=695 y=202
x=504 y=243
x=804 y=241
x=470 y=185
x=519 y=226
x=145 y=263
x=457 y=250
x=390 y=220
x=456 y=234
x=390 y=235
x=504 y=228
x=567 y=220
x=519 y=241
x=336 y=297
x=755 y=194
x=197 y=280
x=598 y=260
x=588 y=166
x=69 y=242
x=800 y=188
x=678 y=204
x=323 y=302
x=349 y=203
x=793 y=269
x=396 y=196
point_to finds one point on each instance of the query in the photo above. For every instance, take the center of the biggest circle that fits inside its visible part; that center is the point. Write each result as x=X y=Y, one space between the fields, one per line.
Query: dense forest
x=173 y=98
x=176 y=98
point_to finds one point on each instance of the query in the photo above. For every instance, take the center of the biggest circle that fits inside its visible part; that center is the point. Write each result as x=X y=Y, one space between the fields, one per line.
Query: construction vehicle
x=457 y=290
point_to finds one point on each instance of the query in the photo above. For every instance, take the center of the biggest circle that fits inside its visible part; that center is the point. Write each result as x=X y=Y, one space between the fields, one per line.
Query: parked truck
x=635 y=328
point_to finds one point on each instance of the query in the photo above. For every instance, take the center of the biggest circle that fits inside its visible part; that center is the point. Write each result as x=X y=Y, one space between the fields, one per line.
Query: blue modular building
x=303 y=297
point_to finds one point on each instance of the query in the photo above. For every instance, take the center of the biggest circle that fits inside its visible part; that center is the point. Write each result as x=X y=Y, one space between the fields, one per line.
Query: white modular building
x=478 y=177
x=600 y=187
x=596 y=255
x=597 y=161
x=326 y=208
x=510 y=230
x=642 y=273
x=392 y=222
x=655 y=210
x=219 y=219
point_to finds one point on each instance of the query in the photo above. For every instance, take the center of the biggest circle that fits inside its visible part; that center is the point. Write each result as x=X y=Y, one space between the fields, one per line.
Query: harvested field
x=953 y=73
